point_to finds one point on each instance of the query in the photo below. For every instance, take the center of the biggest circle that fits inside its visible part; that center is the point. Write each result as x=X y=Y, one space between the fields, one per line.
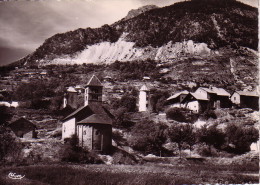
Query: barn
x=23 y=128
x=246 y=99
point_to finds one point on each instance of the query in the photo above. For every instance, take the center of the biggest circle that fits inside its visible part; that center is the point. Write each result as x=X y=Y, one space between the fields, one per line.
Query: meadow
x=148 y=173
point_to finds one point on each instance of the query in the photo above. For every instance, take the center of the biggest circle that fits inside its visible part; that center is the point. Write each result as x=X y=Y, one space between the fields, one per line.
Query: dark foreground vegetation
x=189 y=173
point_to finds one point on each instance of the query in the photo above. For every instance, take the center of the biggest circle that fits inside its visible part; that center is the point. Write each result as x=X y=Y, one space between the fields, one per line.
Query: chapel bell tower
x=93 y=92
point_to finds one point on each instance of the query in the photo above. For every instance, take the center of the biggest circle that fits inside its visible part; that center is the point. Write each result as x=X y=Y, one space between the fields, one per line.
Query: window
x=84 y=132
x=97 y=132
x=234 y=98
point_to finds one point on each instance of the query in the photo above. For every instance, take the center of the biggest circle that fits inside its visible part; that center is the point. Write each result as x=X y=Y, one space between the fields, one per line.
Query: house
x=222 y=98
x=23 y=128
x=176 y=99
x=92 y=123
x=246 y=99
x=144 y=99
x=207 y=93
x=218 y=97
x=196 y=102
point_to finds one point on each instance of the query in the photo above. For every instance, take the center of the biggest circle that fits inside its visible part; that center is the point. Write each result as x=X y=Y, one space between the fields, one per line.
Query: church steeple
x=93 y=91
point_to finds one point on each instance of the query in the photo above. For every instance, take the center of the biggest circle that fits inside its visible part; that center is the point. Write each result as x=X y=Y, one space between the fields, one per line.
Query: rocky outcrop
x=107 y=52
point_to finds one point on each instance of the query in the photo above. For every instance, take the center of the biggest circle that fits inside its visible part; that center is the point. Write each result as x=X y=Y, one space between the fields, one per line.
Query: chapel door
x=97 y=140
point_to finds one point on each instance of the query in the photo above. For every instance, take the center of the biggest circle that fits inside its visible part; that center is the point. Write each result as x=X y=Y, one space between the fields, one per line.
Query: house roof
x=96 y=118
x=94 y=81
x=177 y=95
x=198 y=96
x=220 y=91
x=248 y=93
x=207 y=89
x=71 y=89
x=22 y=124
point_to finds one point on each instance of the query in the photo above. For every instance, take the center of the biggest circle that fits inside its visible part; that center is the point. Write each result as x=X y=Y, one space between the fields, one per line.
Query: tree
x=148 y=137
x=129 y=102
x=8 y=143
x=212 y=136
x=71 y=152
x=241 y=137
x=158 y=98
x=182 y=134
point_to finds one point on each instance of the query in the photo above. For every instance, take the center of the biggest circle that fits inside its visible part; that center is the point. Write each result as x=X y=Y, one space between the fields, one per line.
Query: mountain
x=198 y=38
x=197 y=27
x=138 y=11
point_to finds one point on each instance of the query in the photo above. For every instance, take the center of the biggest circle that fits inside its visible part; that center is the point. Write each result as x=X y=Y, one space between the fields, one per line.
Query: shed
x=23 y=128
x=246 y=99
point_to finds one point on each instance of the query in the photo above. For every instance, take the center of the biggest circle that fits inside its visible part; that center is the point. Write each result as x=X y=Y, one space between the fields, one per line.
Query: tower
x=144 y=99
x=93 y=92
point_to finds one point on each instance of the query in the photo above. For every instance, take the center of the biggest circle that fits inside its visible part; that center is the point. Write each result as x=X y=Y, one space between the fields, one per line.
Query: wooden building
x=246 y=99
x=176 y=99
x=92 y=123
x=23 y=128
x=222 y=98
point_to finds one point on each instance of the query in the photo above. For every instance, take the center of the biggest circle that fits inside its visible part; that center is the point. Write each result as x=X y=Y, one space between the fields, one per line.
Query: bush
x=241 y=137
x=209 y=114
x=206 y=152
x=72 y=153
x=148 y=137
x=211 y=136
x=181 y=115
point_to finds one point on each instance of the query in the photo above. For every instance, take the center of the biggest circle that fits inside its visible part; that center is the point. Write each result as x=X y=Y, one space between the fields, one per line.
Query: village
x=91 y=116
x=115 y=134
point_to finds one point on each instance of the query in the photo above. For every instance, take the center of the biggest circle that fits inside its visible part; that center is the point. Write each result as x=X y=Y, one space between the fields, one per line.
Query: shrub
x=73 y=153
x=118 y=137
x=181 y=115
x=209 y=114
x=212 y=136
x=148 y=137
x=128 y=102
x=241 y=137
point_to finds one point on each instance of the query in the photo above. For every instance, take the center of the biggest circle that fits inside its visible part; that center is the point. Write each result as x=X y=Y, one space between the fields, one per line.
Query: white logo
x=14 y=176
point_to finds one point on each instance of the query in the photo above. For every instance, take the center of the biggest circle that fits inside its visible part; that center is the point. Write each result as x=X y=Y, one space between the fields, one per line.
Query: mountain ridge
x=213 y=24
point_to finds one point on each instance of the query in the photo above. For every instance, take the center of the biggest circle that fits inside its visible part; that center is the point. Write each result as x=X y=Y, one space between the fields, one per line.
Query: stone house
x=196 y=102
x=23 y=128
x=92 y=123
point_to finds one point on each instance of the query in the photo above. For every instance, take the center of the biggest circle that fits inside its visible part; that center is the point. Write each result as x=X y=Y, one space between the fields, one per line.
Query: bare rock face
x=122 y=50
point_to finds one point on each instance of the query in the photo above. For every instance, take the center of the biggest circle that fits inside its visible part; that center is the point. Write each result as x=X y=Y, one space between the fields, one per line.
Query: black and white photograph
x=129 y=92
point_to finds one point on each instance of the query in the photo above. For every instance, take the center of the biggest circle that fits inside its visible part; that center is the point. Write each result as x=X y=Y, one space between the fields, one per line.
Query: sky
x=25 y=24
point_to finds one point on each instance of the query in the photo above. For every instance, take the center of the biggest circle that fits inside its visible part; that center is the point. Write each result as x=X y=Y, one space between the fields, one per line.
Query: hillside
x=206 y=25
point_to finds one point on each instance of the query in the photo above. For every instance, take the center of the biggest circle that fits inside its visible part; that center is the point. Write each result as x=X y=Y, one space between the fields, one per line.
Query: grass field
x=148 y=174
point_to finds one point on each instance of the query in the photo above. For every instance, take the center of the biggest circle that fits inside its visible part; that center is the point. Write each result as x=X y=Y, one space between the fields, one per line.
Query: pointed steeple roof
x=144 y=88
x=94 y=81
